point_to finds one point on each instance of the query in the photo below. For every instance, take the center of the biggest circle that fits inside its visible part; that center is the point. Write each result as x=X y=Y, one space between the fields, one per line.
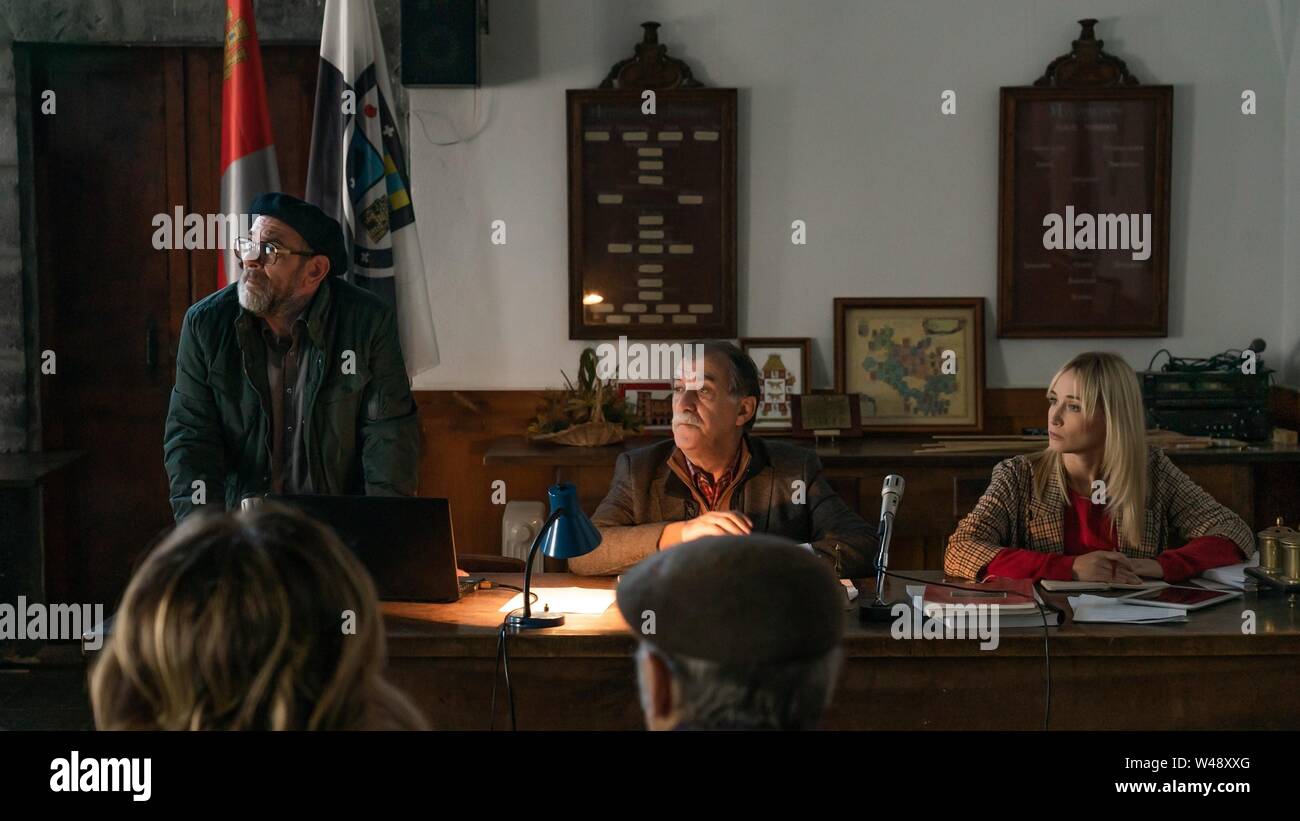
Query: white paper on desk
x=583 y=601
x=1113 y=611
x=850 y=590
x=1233 y=576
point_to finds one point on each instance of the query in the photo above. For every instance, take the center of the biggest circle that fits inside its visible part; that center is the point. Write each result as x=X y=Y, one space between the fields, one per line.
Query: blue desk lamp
x=567 y=533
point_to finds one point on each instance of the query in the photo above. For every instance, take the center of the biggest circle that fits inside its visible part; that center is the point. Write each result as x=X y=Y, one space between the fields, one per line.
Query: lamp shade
x=572 y=533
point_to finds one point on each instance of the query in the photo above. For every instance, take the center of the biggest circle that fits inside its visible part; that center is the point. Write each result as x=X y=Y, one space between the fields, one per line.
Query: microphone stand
x=880 y=610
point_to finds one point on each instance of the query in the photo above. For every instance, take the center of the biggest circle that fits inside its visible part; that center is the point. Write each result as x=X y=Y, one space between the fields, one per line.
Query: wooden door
x=135 y=134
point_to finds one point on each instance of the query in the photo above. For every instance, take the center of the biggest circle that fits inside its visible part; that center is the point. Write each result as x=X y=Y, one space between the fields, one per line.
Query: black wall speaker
x=440 y=42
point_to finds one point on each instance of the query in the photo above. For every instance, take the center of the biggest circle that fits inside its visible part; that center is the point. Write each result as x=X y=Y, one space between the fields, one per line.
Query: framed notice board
x=1083 y=228
x=652 y=213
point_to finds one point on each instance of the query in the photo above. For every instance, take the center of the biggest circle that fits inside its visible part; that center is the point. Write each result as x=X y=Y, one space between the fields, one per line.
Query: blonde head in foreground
x=241 y=622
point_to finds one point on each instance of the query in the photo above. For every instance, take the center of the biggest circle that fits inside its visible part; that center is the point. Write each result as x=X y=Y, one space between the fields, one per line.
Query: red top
x=1088 y=528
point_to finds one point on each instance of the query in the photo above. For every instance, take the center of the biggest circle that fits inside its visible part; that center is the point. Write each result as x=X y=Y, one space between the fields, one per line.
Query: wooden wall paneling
x=1277 y=495
x=457 y=427
x=1233 y=486
x=1284 y=402
x=1008 y=411
x=460 y=425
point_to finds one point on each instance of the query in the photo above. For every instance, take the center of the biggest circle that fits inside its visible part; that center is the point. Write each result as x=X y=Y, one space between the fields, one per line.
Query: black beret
x=319 y=230
x=735 y=600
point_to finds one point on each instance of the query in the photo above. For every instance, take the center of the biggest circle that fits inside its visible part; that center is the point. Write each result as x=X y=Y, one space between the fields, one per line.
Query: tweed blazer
x=646 y=494
x=1008 y=515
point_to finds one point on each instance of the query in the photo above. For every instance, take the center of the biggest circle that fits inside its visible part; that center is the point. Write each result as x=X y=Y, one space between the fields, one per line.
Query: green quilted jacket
x=362 y=429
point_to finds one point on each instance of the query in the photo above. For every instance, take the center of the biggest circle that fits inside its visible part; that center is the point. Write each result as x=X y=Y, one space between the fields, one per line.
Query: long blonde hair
x=1107 y=385
x=239 y=622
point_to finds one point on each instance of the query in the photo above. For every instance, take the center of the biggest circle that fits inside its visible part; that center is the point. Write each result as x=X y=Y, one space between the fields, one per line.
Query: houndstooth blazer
x=1008 y=515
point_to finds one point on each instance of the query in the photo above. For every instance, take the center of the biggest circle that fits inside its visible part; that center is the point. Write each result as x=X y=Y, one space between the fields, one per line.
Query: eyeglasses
x=250 y=251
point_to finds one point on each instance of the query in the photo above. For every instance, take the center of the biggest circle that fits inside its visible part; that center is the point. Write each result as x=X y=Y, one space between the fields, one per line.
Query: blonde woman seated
x=1097 y=504
x=241 y=622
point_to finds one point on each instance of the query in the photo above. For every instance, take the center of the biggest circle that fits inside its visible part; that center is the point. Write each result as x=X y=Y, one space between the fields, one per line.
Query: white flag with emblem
x=357 y=174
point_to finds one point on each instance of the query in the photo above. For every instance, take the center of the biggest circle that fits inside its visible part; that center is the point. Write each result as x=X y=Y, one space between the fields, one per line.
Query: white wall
x=840 y=126
x=1286 y=19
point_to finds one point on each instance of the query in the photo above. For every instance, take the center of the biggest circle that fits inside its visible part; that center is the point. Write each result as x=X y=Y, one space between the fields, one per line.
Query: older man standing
x=290 y=380
x=714 y=479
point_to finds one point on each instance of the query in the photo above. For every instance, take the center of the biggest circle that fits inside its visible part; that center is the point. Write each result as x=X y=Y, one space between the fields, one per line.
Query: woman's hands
x=1107 y=566
x=1147 y=568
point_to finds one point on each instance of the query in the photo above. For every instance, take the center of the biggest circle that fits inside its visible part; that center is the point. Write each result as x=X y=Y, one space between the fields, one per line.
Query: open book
x=1079 y=587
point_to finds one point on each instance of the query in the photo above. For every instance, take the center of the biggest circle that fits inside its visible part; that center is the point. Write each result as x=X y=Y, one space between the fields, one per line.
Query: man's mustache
x=687 y=418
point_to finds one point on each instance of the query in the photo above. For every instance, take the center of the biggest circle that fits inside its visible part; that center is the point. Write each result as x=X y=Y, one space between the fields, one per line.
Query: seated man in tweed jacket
x=714 y=479
x=1098 y=504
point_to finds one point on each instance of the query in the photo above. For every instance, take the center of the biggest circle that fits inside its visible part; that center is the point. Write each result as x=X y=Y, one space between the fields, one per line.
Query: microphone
x=891 y=494
x=1257 y=345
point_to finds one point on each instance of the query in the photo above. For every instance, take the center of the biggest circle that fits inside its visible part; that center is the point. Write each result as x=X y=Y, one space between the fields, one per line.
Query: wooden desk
x=1200 y=675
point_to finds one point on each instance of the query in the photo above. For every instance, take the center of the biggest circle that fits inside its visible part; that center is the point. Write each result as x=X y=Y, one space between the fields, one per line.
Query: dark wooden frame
x=725 y=327
x=855 y=415
x=1087 y=74
x=804 y=343
x=844 y=304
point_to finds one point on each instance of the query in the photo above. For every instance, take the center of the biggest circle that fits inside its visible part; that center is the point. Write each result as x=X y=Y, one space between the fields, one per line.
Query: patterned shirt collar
x=704 y=482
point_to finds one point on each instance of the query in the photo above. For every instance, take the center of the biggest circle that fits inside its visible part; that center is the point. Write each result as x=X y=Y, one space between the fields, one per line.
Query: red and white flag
x=247 y=147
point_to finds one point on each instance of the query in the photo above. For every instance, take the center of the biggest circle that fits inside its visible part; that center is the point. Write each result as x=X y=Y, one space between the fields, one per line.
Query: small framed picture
x=827 y=414
x=653 y=400
x=784 y=371
x=917 y=363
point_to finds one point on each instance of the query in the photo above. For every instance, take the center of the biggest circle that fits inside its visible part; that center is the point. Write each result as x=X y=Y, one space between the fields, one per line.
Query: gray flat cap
x=735 y=600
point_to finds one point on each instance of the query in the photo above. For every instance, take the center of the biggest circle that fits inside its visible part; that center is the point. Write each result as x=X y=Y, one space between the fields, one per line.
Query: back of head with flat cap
x=735 y=600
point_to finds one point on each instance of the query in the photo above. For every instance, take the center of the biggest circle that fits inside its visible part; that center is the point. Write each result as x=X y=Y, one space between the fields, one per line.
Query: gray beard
x=255 y=302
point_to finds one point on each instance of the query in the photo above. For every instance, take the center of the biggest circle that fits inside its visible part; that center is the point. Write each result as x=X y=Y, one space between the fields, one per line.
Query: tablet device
x=1184 y=598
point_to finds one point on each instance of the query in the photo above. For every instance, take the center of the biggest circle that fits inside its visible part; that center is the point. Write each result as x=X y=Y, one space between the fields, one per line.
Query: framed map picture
x=916 y=364
x=784 y=370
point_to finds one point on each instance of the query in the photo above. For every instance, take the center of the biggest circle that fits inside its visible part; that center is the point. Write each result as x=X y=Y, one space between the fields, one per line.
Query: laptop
x=404 y=541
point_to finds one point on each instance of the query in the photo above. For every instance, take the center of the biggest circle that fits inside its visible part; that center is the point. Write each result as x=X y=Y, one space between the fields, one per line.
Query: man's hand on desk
x=1106 y=566
x=712 y=523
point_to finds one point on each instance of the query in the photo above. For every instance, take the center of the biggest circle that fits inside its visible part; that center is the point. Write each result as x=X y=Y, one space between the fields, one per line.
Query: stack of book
x=1018 y=603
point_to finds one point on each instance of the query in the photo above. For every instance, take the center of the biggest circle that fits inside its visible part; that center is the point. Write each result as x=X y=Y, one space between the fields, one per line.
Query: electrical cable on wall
x=479 y=125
